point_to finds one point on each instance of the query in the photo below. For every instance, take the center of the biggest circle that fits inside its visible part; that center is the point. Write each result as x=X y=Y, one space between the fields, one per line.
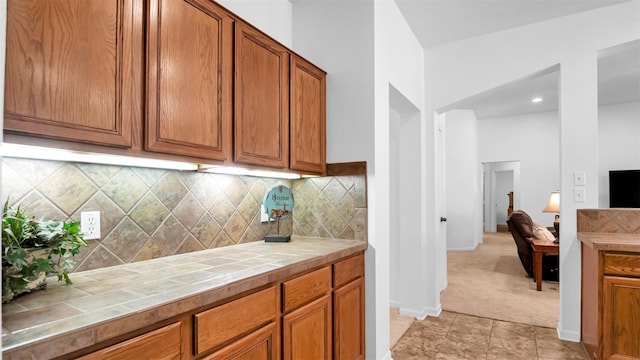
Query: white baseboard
x=422 y=314
x=444 y=287
x=470 y=248
x=387 y=356
x=568 y=335
x=394 y=304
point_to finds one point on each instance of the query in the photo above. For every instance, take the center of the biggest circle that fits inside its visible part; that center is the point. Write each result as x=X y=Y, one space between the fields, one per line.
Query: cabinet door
x=306 y=332
x=68 y=70
x=260 y=345
x=189 y=79
x=621 y=318
x=261 y=99
x=348 y=321
x=308 y=117
x=161 y=344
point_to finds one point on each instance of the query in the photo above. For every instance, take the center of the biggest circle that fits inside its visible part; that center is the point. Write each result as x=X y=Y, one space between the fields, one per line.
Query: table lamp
x=553 y=206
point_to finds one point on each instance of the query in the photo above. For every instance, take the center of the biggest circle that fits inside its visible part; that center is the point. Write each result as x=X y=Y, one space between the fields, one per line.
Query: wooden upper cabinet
x=308 y=117
x=261 y=99
x=189 y=79
x=67 y=70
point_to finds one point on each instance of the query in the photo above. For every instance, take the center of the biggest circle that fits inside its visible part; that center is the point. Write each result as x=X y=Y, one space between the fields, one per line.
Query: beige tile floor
x=460 y=336
x=399 y=324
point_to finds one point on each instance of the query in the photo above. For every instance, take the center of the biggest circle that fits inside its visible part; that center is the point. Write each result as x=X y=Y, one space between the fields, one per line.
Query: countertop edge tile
x=611 y=241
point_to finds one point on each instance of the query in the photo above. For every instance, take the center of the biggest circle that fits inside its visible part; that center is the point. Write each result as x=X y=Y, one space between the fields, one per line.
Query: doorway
x=500 y=178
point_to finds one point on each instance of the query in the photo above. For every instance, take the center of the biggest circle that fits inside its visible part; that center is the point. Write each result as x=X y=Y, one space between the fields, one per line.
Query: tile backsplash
x=149 y=213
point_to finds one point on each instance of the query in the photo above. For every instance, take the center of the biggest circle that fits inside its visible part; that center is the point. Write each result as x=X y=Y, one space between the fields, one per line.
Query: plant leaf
x=17 y=258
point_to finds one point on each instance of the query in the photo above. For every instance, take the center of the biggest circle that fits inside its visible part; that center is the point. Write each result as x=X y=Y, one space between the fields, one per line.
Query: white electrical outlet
x=90 y=224
x=264 y=217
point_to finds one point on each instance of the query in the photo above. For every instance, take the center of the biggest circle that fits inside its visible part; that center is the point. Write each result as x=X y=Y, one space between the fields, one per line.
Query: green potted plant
x=33 y=249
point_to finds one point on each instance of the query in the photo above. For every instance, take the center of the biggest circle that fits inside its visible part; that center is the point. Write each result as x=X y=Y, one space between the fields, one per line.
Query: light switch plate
x=579 y=178
x=264 y=217
x=578 y=194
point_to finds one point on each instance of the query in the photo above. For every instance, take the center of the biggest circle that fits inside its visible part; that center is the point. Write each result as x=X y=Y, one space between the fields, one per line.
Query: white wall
x=619 y=149
x=339 y=37
x=619 y=139
x=534 y=140
x=459 y=70
x=405 y=206
x=464 y=185
x=273 y=17
x=365 y=47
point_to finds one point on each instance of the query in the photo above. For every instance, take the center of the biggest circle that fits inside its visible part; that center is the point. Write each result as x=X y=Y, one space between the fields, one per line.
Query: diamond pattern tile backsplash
x=150 y=213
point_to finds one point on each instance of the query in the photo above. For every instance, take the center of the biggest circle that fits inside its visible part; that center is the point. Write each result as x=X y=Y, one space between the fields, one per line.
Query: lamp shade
x=553 y=206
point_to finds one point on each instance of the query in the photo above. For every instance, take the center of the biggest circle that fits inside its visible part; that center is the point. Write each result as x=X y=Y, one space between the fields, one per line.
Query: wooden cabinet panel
x=307 y=117
x=306 y=332
x=223 y=323
x=347 y=270
x=189 y=79
x=590 y=303
x=621 y=318
x=161 y=344
x=348 y=321
x=68 y=70
x=259 y=345
x=622 y=264
x=305 y=288
x=261 y=119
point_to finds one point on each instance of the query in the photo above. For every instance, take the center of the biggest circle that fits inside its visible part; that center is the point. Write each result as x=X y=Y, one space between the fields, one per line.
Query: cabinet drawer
x=622 y=264
x=305 y=288
x=226 y=322
x=163 y=343
x=347 y=270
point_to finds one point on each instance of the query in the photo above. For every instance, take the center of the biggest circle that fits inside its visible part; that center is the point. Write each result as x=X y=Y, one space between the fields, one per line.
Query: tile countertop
x=611 y=241
x=112 y=301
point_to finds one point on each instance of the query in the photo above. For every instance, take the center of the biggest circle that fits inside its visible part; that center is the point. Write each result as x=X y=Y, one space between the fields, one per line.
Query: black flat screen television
x=624 y=188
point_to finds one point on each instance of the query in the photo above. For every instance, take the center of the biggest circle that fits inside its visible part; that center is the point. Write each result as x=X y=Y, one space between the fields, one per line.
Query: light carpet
x=490 y=282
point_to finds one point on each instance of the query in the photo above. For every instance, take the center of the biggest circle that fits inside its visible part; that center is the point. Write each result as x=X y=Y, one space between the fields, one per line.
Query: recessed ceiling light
x=536 y=100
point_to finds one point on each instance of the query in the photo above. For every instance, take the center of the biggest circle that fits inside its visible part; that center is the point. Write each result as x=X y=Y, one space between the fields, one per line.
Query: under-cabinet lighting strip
x=44 y=153
x=248 y=172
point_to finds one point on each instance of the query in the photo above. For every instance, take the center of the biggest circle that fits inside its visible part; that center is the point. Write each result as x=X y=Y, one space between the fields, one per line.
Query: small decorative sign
x=278 y=200
x=278 y=204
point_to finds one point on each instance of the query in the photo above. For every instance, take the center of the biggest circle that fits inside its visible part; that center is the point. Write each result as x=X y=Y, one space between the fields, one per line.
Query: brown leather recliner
x=521 y=228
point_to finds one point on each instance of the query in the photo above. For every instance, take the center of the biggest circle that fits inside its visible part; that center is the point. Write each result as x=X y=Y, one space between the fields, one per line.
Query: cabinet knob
x=443 y=219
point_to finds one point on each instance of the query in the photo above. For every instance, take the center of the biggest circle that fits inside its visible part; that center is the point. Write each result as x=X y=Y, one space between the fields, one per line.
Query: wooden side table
x=541 y=247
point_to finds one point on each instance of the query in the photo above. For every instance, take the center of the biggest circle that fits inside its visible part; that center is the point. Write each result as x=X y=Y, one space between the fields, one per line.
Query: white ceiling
x=437 y=22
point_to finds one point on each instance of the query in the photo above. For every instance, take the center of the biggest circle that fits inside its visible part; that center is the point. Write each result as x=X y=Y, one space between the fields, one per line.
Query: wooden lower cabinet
x=160 y=344
x=259 y=345
x=348 y=309
x=348 y=321
x=306 y=332
x=610 y=322
x=621 y=317
x=317 y=315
